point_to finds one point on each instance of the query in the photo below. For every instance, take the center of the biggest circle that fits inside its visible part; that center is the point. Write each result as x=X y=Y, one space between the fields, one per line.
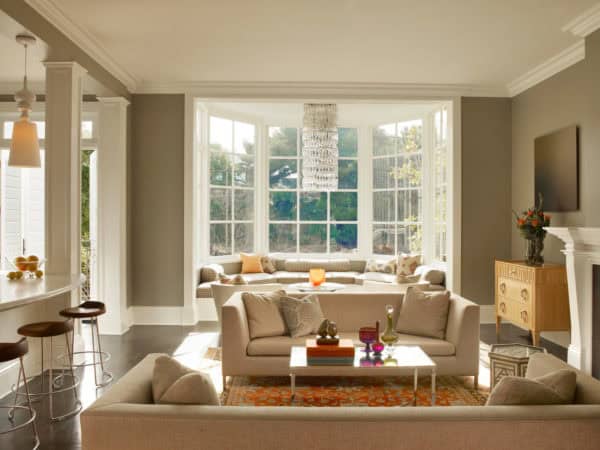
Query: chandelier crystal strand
x=320 y=147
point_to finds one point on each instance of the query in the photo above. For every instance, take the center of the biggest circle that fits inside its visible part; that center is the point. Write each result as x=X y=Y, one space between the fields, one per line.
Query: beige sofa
x=457 y=354
x=339 y=270
x=125 y=418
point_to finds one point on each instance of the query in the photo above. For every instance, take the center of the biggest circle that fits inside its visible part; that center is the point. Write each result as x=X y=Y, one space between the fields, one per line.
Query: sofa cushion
x=302 y=315
x=378 y=277
x=203 y=290
x=382 y=266
x=431 y=275
x=407 y=264
x=258 y=278
x=264 y=316
x=268 y=264
x=330 y=265
x=282 y=276
x=342 y=277
x=424 y=314
x=211 y=272
x=174 y=383
x=554 y=388
x=281 y=345
x=251 y=263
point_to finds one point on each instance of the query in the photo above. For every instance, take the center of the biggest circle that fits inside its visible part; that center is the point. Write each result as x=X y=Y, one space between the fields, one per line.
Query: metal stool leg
x=106 y=376
x=11 y=412
x=31 y=411
x=70 y=351
x=51 y=384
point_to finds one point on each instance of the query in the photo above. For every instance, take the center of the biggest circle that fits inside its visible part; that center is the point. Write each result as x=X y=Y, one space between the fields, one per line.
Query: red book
x=344 y=348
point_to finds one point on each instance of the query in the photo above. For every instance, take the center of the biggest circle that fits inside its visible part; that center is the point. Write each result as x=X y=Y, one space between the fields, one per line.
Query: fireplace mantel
x=582 y=252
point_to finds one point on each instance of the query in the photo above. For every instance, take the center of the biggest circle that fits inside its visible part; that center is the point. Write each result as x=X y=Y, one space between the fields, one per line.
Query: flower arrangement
x=531 y=225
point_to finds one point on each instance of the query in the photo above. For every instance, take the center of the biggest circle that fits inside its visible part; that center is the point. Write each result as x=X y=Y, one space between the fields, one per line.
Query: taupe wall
x=570 y=97
x=156 y=195
x=486 y=174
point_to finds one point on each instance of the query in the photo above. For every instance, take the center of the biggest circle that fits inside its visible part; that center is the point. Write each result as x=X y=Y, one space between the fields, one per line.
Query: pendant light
x=320 y=147
x=24 y=147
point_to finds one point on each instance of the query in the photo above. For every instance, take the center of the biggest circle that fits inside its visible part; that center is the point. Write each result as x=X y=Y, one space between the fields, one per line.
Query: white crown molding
x=83 y=39
x=552 y=66
x=585 y=24
x=278 y=89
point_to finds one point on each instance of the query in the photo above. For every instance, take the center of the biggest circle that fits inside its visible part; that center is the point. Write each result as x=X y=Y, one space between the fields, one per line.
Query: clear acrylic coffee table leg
x=293 y=385
x=416 y=382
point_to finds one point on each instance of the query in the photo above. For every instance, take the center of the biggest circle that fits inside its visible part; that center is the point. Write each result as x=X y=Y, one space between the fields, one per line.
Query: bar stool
x=10 y=351
x=91 y=310
x=49 y=330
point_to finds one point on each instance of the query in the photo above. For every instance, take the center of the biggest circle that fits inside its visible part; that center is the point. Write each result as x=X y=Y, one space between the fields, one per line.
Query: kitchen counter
x=16 y=293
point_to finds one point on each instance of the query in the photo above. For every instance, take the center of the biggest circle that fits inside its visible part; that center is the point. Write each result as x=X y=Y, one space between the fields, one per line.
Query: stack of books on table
x=341 y=354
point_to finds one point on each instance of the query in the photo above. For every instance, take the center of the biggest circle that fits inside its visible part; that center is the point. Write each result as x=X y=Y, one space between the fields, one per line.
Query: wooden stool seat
x=13 y=350
x=85 y=310
x=46 y=329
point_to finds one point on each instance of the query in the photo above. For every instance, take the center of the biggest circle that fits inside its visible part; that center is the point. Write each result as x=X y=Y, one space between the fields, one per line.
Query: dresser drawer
x=514 y=290
x=516 y=312
x=515 y=272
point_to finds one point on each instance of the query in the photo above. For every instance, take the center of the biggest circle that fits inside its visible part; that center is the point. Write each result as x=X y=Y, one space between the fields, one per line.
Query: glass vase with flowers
x=531 y=224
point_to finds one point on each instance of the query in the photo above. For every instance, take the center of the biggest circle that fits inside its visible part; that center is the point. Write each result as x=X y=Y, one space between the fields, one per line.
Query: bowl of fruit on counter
x=26 y=266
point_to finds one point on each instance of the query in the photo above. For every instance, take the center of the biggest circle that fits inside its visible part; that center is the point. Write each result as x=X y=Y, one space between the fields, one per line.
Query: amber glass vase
x=316 y=276
x=389 y=336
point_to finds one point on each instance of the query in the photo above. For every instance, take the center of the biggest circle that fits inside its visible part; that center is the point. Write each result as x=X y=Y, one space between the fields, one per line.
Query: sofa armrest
x=235 y=333
x=463 y=331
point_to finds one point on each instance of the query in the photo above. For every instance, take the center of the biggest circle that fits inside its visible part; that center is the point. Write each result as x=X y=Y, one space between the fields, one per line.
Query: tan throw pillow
x=224 y=279
x=211 y=272
x=268 y=265
x=238 y=279
x=302 y=315
x=263 y=313
x=555 y=388
x=175 y=384
x=400 y=278
x=407 y=264
x=380 y=266
x=424 y=314
x=251 y=263
x=431 y=275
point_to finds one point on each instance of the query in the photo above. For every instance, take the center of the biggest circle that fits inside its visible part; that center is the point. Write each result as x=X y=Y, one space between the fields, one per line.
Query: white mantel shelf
x=16 y=293
x=582 y=252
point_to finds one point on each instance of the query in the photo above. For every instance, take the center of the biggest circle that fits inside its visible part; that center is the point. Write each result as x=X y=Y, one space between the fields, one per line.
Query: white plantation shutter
x=12 y=220
x=33 y=210
x=93 y=226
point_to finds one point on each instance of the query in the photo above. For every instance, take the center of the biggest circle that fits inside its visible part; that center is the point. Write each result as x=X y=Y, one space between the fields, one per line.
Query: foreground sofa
x=457 y=354
x=125 y=418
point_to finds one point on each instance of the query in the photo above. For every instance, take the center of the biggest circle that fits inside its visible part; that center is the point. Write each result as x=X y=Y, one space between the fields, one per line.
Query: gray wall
x=571 y=97
x=486 y=174
x=156 y=194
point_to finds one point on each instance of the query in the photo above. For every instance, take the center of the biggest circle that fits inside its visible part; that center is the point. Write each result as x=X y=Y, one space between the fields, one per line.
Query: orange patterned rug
x=351 y=391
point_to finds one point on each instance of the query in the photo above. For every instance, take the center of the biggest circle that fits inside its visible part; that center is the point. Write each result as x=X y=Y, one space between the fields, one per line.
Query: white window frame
x=298 y=190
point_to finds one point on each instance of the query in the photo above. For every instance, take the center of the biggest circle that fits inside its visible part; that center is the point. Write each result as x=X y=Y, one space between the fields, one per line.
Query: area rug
x=349 y=391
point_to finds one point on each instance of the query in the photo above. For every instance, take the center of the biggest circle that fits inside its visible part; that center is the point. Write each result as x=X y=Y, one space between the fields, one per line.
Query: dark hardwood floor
x=129 y=349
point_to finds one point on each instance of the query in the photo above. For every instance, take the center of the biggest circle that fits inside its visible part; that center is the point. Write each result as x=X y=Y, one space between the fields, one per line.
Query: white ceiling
x=465 y=42
x=349 y=114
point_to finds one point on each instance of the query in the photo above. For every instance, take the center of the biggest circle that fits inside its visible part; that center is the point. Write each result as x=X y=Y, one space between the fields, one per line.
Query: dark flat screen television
x=557 y=169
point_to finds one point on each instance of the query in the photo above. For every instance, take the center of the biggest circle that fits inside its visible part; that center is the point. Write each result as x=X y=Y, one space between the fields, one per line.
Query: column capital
x=114 y=100
x=72 y=65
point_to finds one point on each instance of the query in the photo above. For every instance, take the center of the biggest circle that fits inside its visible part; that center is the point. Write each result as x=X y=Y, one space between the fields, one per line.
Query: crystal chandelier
x=320 y=147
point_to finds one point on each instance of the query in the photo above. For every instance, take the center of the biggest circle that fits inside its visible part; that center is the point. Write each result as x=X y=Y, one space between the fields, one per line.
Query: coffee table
x=323 y=287
x=400 y=360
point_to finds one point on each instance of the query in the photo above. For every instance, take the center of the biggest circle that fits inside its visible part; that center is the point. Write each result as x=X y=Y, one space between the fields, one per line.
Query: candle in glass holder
x=316 y=276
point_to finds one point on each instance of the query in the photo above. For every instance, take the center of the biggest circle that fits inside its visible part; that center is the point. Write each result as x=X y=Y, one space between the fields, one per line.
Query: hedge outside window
x=311 y=222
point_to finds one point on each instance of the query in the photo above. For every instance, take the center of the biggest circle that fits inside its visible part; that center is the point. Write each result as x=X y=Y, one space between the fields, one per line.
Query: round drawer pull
x=524 y=316
x=503 y=307
x=524 y=295
x=503 y=288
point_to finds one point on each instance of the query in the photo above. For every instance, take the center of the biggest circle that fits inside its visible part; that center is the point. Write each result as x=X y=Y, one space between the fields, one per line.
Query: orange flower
x=529 y=213
x=546 y=216
x=534 y=223
x=520 y=221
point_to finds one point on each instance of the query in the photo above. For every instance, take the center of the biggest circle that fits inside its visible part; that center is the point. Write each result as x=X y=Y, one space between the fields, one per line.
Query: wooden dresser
x=534 y=298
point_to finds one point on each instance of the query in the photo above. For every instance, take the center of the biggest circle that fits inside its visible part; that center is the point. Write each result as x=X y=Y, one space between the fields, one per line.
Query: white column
x=63 y=166
x=112 y=214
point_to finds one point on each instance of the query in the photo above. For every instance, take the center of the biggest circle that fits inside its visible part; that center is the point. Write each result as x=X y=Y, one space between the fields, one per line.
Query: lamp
x=24 y=147
x=319 y=147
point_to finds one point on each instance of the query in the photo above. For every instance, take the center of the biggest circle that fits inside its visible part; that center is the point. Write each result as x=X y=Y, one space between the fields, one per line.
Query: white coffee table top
x=403 y=360
x=324 y=287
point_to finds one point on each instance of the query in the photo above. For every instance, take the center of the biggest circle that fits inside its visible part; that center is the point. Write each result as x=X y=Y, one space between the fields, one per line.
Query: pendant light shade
x=24 y=147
